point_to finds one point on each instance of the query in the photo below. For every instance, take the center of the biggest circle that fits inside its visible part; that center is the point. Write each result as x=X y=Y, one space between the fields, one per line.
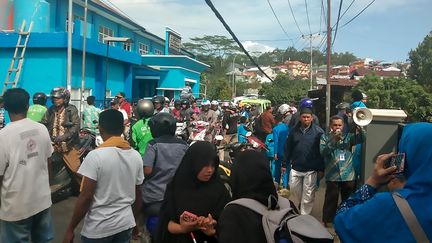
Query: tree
x=398 y=93
x=285 y=90
x=212 y=45
x=421 y=63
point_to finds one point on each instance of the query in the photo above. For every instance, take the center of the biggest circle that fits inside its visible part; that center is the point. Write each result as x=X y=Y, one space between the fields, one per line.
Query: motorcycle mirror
x=219 y=137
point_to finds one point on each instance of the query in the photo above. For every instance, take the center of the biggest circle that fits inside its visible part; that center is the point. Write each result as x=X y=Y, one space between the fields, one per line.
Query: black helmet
x=39 y=98
x=177 y=103
x=162 y=124
x=185 y=102
x=61 y=93
x=158 y=99
x=144 y=109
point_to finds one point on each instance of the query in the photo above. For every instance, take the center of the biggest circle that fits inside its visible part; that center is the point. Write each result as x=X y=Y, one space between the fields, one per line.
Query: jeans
x=303 y=186
x=37 y=229
x=122 y=237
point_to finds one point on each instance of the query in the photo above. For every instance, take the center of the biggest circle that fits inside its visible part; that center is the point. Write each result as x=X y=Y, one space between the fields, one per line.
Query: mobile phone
x=188 y=216
x=398 y=160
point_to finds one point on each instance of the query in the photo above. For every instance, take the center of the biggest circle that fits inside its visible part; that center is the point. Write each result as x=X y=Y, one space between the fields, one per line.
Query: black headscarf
x=186 y=193
x=251 y=178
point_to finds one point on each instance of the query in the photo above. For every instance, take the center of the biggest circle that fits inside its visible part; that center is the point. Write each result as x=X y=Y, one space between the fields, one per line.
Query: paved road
x=62 y=213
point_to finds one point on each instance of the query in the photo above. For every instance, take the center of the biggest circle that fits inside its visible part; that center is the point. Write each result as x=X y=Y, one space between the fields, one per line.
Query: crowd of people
x=142 y=170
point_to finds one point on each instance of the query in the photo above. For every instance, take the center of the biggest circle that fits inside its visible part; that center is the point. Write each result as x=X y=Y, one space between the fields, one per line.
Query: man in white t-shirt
x=111 y=186
x=115 y=104
x=25 y=147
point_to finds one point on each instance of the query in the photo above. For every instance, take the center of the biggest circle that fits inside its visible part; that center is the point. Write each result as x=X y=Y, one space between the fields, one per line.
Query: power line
x=352 y=19
x=337 y=21
x=221 y=19
x=321 y=14
x=295 y=20
x=274 y=13
x=349 y=6
x=307 y=14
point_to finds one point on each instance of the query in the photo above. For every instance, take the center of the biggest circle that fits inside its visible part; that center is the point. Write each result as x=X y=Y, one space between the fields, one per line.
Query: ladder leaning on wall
x=14 y=71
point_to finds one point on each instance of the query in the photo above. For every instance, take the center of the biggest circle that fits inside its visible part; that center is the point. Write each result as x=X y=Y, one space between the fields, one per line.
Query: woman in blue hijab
x=368 y=216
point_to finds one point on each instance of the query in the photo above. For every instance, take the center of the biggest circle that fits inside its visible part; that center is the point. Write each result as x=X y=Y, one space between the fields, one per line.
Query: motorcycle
x=199 y=131
x=63 y=183
x=181 y=130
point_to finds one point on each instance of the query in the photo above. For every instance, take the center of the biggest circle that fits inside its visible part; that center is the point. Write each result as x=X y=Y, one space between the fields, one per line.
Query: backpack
x=284 y=225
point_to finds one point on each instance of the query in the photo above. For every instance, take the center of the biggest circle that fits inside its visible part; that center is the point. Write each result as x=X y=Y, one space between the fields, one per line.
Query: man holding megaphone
x=336 y=149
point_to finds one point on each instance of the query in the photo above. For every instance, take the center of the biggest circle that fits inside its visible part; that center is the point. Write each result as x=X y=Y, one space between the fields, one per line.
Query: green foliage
x=285 y=90
x=212 y=45
x=421 y=63
x=218 y=88
x=398 y=93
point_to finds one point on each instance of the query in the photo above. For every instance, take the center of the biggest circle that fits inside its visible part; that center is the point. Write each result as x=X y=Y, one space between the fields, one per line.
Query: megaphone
x=362 y=116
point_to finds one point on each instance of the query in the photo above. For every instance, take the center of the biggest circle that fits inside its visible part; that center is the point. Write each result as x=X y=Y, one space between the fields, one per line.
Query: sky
x=386 y=31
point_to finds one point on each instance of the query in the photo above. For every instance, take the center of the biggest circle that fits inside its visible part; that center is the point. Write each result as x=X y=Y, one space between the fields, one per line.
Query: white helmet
x=167 y=100
x=284 y=109
x=225 y=104
x=215 y=102
x=205 y=102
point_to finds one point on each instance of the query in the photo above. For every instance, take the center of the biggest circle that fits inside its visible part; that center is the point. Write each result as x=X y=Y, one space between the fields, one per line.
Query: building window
x=77 y=17
x=143 y=48
x=105 y=32
x=127 y=46
x=158 y=52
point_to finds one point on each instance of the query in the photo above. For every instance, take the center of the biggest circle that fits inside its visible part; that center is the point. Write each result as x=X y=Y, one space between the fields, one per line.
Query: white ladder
x=11 y=80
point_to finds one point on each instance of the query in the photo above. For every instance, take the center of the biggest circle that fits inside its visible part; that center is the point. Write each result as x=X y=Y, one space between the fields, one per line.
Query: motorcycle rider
x=215 y=106
x=186 y=112
x=286 y=111
x=176 y=111
x=159 y=104
x=208 y=115
x=37 y=111
x=141 y=133
x=229 y=126
x=63 y=123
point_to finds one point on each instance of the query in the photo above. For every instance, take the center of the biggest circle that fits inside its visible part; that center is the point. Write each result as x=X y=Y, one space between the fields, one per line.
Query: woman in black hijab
x=196 y=188
x=250 y=178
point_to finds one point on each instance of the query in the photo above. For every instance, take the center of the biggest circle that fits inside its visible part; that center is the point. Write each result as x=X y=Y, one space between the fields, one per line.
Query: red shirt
x=127 y=107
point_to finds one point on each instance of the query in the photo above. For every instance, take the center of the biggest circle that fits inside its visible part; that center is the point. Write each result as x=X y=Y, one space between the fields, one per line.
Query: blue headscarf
x=378 y=219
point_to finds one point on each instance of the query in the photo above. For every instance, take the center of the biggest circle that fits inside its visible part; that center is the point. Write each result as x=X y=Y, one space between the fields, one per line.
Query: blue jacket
x=370 y=217
x=280 y=135
x=241 y=130
x=302 y=149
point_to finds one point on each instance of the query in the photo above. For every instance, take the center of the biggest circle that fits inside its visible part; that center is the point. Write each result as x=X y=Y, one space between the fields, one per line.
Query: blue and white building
x=146 y=67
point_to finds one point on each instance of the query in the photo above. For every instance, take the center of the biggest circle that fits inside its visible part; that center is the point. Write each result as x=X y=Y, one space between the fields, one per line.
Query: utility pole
x=328 y=88
x=69 y=48
x=311 y=37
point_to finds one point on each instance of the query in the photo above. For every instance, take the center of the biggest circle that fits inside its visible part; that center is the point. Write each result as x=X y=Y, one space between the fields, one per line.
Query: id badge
x=342 y=156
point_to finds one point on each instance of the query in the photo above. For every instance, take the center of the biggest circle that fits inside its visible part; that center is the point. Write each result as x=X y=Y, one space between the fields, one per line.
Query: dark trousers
x=345 y=188
x=122 y=237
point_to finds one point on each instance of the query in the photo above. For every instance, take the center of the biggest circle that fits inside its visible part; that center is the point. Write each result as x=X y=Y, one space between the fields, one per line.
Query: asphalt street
x=62 y=213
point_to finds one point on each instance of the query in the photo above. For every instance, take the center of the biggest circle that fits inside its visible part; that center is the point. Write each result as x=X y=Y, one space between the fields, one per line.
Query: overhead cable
x=352 y=19
x=337 y=21
x=307 y=14
x=221 y=19
x=295 y=20
x=277 y=19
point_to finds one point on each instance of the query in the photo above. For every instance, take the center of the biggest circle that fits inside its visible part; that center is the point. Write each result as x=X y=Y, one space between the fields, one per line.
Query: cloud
x=255 y=47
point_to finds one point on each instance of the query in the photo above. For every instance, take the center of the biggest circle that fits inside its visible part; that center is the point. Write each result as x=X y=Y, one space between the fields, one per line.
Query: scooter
x=199 y=131
x=62 y=182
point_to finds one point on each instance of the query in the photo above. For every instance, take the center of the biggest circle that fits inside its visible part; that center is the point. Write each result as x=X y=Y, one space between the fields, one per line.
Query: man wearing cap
x=303 y=152
x=124 y=104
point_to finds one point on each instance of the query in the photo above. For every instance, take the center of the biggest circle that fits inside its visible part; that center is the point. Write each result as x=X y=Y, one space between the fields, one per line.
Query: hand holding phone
x=188 y=216
x=397 y=160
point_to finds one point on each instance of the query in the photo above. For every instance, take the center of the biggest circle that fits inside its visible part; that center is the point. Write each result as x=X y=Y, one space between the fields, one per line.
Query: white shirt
x=116 y=172
x=25 y=147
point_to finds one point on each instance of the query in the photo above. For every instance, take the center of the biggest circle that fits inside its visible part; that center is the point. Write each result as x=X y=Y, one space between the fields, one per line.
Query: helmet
x=177 y=103
x=158 y=99
x=215 y=102
x=39 y=98
x=205 y=103
x=167 y=100
x=306 y=103
x=61 y=93
x=284 y=109
x=343 y=106
x=225 y=104
x=185 y=102
x=162 y=124
x=144 y=108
